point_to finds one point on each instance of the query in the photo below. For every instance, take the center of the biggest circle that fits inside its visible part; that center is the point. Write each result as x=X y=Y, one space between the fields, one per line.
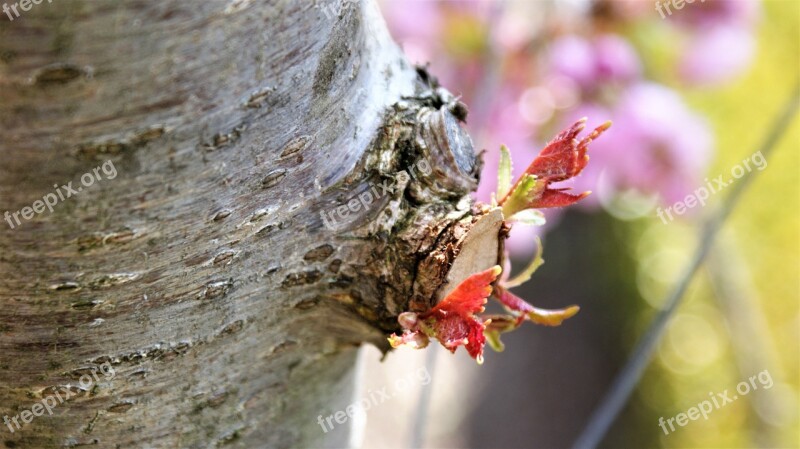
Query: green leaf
x=493 y=338
x=547 y=317
x=526 y=274
x=527 y=188
x=496 y=325
x=504 y=173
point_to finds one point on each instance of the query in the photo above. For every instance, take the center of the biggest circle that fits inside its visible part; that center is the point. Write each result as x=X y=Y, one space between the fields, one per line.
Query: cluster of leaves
x=455 y=320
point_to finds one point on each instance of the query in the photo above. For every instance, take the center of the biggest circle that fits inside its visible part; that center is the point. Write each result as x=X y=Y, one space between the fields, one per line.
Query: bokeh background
x=691 y=94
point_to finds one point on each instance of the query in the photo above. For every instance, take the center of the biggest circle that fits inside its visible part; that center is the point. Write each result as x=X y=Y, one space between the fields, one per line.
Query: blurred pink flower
x=656 y=146
x=709 y=13
x=615 y=60
x=720 y=54
x=448 y=36
x=417 y=26
x=417 y=19
x=723 y=42
x=512 y=33
x=605 y=59
x=572 y=57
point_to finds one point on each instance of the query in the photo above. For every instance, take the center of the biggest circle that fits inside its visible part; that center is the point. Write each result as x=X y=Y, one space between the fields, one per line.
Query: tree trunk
x=271 y=185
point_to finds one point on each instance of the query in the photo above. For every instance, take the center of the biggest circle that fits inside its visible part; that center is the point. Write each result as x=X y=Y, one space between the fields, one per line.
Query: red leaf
x=556 y=198
x=470 y=295
x=452 y=321
x=476 y=340
x=563 y=158
x=453 y=331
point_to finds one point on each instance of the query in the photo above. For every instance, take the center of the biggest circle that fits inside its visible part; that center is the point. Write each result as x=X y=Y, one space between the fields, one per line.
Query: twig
x=626 y=380
x=732 y=287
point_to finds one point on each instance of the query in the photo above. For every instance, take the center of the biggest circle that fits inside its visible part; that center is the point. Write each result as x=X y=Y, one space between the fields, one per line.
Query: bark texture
x=213 y=272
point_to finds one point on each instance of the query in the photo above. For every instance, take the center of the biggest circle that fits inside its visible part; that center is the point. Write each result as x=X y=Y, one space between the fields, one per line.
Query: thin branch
x=732 y=287
x=627 y=379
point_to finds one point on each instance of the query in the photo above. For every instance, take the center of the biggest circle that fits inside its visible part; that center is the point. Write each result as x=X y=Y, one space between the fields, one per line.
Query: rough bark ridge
x=210 y=272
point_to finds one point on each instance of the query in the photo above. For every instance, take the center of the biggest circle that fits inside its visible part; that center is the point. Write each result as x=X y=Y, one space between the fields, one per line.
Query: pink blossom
x=607 y=58
x=656 y=146
x=721 y=53
x=710 y=13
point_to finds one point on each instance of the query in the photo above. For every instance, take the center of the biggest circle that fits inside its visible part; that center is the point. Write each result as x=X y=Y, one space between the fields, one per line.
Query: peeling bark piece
x=479 y=250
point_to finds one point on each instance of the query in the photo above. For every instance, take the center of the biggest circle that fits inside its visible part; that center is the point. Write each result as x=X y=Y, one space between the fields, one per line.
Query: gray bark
x=204 y=272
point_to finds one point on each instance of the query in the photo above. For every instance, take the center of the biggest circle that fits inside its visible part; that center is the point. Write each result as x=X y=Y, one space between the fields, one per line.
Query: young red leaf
x=452 y=322
x=563 y=158
x=544 y=317
x=556 y=198
x=469 y=296
x=454 y=331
